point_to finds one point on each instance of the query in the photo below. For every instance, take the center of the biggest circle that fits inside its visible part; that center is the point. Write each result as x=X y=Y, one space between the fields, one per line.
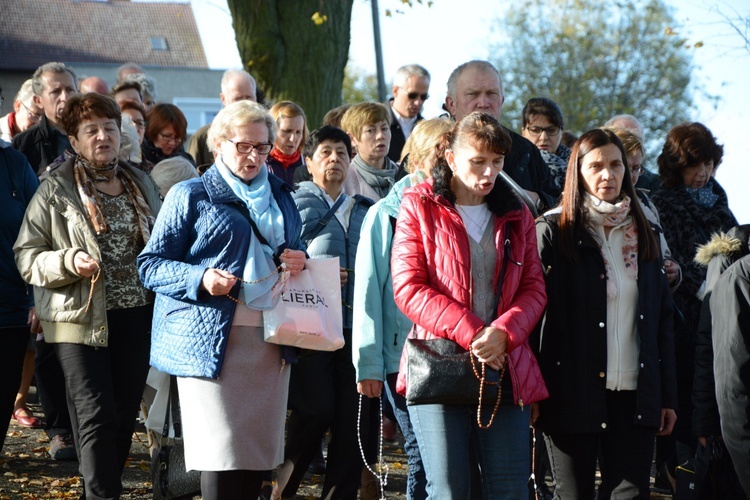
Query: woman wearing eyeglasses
x=25 y=113
x=166 y=132
x=213 y=260
x=543 y=125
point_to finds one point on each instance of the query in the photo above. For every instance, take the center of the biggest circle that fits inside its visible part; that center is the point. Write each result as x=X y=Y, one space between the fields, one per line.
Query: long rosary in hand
x=94 y=279
x=280 y=270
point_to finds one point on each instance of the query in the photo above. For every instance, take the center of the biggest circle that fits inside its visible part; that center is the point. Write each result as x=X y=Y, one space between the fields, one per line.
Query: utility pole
x=378 y=50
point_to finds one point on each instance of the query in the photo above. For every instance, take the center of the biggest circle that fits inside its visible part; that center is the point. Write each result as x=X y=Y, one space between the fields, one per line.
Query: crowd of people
x=557 y=262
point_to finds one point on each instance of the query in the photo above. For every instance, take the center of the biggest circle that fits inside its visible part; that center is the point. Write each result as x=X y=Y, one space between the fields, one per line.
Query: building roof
x=34 y=32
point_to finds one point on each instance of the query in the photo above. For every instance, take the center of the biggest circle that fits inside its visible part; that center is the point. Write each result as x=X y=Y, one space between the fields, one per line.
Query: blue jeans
x=445 y=434
x=416 y=481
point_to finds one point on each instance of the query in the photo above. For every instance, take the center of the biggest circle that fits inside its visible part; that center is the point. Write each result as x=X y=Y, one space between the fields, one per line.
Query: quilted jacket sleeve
x=425 y=305
x=529 y=297
x=161 y=265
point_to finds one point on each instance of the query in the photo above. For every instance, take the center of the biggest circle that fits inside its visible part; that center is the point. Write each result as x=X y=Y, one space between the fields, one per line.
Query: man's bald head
x=237 y=85
x=628 y=122
x=94 y=84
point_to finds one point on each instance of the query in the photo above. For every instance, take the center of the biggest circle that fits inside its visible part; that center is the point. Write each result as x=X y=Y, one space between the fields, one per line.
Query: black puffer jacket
x=38 y=144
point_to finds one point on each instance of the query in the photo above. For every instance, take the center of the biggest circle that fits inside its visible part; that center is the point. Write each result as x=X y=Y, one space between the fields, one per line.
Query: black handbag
x=171 y=480
x=439 y=371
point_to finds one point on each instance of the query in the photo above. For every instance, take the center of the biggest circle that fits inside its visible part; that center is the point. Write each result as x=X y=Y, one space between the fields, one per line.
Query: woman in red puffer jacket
x=455 y=234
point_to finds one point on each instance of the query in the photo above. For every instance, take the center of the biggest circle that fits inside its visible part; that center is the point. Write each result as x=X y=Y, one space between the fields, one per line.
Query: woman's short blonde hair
x=360 y=115
x=422 y=141
x=237 y=115
x=289 y=109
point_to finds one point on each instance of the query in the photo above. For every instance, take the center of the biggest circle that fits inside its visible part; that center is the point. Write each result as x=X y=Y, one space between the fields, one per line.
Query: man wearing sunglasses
x=411 y=87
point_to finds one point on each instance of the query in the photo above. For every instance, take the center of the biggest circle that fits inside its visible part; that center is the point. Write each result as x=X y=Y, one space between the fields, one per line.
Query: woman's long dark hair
x=573 y=212
x=480 y=130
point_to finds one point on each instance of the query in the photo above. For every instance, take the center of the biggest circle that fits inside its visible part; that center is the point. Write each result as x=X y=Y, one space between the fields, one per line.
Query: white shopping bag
x=308 y=314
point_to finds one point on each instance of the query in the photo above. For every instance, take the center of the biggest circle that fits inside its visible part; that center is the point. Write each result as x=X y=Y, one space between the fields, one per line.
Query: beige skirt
x=237 y=421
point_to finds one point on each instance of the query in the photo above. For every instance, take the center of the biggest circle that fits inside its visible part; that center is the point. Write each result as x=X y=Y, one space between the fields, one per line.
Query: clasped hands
x=489 y=346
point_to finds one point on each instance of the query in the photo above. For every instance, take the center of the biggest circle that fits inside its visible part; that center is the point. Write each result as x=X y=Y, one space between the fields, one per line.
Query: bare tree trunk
x=290 y=55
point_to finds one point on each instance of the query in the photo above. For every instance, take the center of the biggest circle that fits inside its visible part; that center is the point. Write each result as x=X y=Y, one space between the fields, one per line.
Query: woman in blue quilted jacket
x=214 y=259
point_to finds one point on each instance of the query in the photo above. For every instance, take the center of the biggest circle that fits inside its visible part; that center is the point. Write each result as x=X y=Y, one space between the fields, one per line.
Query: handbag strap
x=312 y=232
x=244 y=211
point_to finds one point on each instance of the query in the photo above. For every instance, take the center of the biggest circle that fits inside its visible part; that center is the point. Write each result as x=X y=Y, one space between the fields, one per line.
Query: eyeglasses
x=142 y=125
x=34 y=117
x=413 y=96
x=169 y=138
x=247 y=147
x=551 y=131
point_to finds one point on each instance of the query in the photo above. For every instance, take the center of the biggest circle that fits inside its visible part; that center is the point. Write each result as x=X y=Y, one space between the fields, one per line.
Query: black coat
x=572 y=349
x=397 y=135
x=730 y=310
x=38 y=144
x=525 y=165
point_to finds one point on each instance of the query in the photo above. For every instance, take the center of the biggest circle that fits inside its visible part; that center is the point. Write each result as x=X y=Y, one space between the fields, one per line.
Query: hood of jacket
x=733 y=244
x=392 y=202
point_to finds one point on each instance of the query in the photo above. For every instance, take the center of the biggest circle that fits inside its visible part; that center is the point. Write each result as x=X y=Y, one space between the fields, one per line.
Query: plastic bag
x=308 y=315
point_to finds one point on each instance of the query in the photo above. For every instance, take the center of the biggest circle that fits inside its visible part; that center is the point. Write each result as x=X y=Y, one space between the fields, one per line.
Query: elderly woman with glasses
x=166 y=132
x=543 y=125
x=214 y=259
x=25 y=113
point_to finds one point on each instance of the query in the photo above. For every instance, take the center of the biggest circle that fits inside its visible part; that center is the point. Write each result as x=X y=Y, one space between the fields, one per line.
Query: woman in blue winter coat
x=213 y=259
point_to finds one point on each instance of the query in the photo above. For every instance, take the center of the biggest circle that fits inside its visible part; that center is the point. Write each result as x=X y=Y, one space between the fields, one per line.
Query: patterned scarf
x=557 y=163
x=285 y=160
x=86 y=173
x=704 y=197
x=602 y=213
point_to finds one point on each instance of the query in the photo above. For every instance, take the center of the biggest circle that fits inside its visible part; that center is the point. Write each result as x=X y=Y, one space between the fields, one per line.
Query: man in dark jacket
x=410 y=90
x=53 y=83
x=730 y=312
x=477 y=86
